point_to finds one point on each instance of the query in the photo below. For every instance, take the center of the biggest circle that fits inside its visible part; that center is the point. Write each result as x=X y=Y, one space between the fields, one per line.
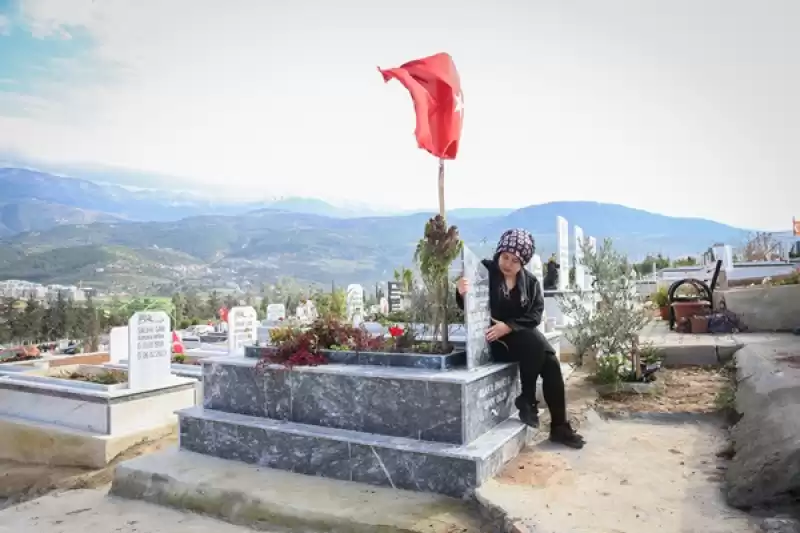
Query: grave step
x=453 y=470
x=454 y=407
x=406 y=360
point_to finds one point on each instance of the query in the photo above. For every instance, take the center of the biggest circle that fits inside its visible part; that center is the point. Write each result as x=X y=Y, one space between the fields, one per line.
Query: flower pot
x=664 y=311
x=699 y=324
x=689 y=309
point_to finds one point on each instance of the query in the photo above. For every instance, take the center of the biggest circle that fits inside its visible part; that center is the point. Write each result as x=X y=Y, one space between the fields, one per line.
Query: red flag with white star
x=435 y=88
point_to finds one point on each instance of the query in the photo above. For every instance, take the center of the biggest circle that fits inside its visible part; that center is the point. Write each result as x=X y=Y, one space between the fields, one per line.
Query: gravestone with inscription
x=276 y=312
x=563 y=253
x=477 y=316
x=355 y=303
x=149 y=350
x=242 y=324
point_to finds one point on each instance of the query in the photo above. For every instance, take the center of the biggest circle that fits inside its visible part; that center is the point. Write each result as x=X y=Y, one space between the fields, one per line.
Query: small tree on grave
x=612 y=329
x=435 y=252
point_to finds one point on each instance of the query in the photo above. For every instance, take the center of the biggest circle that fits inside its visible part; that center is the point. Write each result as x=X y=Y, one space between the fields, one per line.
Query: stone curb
x=293 y=503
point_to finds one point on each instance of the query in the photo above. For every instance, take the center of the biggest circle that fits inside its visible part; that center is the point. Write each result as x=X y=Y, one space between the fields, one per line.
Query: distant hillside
x=38 y=215
x=60 y=201
x=103 y=267
x=264 y=245
x=19 y=187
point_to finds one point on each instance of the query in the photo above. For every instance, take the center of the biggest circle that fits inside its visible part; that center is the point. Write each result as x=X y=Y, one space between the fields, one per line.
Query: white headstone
x=242 y=324
x=149 y=350
x=725 y=253
x=537 y=267
x=276 y=312
x=563 y=253
x=118 y=344
x=307 y=312
x=355 y=303
x=580 y=276
x=477 y=316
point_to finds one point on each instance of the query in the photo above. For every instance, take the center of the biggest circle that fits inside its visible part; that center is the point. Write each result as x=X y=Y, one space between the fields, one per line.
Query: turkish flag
x=177 y=345
x=438 y=102
x=223 y=314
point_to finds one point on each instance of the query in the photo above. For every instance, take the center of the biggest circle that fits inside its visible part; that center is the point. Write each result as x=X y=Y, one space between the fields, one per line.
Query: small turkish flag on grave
x=435 y=88
x=177 y=345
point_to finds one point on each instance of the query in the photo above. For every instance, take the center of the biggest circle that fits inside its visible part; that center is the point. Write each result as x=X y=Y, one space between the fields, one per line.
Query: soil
x=108 y=378
x=21 y=482
x=688 y=390
x=610 y=485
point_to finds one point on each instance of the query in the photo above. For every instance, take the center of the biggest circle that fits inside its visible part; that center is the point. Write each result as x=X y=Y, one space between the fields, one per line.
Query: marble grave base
x=442 y=431
x=396 y=462
x=454 y=406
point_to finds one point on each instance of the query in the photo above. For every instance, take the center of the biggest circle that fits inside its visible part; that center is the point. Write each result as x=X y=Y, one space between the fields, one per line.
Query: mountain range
x=63 y=230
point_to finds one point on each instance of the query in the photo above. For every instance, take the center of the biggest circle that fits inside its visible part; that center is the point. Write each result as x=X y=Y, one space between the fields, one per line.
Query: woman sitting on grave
x=516 y=304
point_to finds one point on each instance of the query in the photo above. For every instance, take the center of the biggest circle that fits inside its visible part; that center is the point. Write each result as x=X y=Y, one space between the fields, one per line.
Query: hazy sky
x=685 y=107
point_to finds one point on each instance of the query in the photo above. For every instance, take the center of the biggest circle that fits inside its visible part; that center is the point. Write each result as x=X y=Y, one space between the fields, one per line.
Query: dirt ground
x=688 y=390
x=22 y=482
x=632 y=476
x=656 y=476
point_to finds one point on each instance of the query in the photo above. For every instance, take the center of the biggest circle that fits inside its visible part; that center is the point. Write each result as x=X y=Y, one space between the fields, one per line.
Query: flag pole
x=441 y=187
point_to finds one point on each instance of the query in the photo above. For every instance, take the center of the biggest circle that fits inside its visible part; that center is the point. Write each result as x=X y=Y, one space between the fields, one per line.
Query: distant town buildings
x=22 y=290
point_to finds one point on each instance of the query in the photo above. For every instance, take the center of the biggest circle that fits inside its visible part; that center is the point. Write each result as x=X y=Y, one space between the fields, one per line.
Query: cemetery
x=85 y=415
x=382 y=405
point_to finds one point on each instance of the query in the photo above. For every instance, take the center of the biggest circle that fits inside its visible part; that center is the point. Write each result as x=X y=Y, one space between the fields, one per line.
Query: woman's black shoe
x=564 y=434
x=529 y=415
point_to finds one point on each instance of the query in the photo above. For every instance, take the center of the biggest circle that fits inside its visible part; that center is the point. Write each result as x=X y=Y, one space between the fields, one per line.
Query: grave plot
x=87 y=414
x=443 y=428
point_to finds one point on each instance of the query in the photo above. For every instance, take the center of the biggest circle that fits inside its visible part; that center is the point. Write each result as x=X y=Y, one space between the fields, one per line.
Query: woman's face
x=509 y=264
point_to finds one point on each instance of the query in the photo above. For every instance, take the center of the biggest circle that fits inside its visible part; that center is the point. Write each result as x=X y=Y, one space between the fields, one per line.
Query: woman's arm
x=532 y=312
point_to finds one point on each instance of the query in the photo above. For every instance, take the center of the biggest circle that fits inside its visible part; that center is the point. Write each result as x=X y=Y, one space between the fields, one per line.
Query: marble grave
x=444 y=429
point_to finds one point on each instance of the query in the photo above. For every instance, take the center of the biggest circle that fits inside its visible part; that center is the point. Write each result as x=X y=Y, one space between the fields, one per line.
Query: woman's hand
x=498 y=331
x=462 y=286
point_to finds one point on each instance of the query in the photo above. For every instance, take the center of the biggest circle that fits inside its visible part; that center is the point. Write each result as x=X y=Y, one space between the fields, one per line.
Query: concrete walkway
x=92 y=511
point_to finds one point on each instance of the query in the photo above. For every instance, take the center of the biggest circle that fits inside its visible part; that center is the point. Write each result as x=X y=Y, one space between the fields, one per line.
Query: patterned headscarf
x=518 y=242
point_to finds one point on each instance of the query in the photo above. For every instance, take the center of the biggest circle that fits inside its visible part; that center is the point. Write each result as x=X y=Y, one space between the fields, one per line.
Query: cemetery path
x=91 y=510
x=634 y=475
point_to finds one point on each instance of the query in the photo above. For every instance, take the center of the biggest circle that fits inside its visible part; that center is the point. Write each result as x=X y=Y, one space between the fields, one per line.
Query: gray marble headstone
x=477 y=316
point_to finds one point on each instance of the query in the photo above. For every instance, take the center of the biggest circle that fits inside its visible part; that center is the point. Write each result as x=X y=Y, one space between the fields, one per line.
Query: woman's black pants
x=536 y=357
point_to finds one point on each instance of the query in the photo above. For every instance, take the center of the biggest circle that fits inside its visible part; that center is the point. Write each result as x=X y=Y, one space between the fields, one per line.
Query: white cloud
x=261 y=98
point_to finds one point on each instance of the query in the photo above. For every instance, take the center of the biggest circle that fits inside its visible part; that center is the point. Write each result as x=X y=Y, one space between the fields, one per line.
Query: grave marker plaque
x=149 y=350
x=276 y=312
x=563 y=253
x=395 y=296
x=477 y=316
x=242 y=324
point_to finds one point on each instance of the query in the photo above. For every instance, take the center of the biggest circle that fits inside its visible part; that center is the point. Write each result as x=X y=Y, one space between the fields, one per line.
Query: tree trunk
x=443 y=283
